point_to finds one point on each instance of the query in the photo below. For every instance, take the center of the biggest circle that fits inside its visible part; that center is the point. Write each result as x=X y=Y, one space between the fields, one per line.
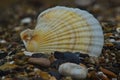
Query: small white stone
x=26 y=20
x=73 y=70
x=3 y=41
x=12 y=62
x=111 y=40
x=28 y=53
x=18 y=28
x=101 y=74
x=106 y=60
x=3 y=77
x=118 y=29
x=36 y=69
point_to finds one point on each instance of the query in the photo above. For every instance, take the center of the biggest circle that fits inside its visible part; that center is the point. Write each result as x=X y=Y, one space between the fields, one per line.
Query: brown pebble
x=40 y=61
x=107 y=72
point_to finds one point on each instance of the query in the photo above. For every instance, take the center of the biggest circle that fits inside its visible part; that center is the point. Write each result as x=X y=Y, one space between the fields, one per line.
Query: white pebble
x=26 y=20
x=3 y=41
x=12 y=62
x=111 y=40
x=118 y=29
x=28 y=53
x=73 y=70
x=3 y=78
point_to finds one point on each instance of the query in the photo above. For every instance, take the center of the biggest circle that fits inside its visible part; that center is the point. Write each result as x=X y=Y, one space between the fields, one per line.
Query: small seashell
x=73 y=70
x=65 y=29
x=40 y=61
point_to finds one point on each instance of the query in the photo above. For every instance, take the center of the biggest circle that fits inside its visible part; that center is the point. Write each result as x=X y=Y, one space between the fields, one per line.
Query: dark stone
x=57 y=63
x=116 y=65
x=3 y=54
x=2 y=61
x=37 y=78
x=3 y=73
x=82 y=55
x=59 y=55
x=67 y=56
x=39 y=55
x=12 y=52
x=57 y=75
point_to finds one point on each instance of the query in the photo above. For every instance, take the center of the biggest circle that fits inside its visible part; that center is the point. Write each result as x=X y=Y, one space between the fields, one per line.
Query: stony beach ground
x=16 y=63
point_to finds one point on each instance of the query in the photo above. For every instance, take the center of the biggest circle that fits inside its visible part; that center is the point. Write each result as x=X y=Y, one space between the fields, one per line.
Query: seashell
x=73 y=70
x=65 y=29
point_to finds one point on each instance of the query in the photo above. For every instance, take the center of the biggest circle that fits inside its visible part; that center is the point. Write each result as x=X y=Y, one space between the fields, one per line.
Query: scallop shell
x=65 y=29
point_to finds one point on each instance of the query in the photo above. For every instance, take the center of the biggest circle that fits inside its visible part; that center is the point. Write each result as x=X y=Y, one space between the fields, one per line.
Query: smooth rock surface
x=74 y=70
x=40 y=61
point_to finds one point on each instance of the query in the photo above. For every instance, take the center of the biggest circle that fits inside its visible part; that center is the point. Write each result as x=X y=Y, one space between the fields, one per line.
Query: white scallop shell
x=65 y=29
x=73 y=70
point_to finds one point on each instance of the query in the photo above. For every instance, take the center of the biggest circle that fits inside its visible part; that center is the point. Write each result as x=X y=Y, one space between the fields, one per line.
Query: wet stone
x=57 y=63
x=3 y=54
x=26 y=20
x=40 y=61
x=38 y=55
x=12 y=52
x=57 y=75
x=67 y=56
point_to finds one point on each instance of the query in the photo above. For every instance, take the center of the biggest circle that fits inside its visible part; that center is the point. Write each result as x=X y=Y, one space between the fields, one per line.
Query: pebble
x=74 y=70
x=18 y=28
x=13 y=52
x=57 y=63
x=68 y=56
x=3 y=41
x=56 y=74
x=84 y=2
x=38 y=55
x=107 y=72
x=28 y=53
x=26 y=20
x=40 y=61
x=3 y=54
x=101 y=75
